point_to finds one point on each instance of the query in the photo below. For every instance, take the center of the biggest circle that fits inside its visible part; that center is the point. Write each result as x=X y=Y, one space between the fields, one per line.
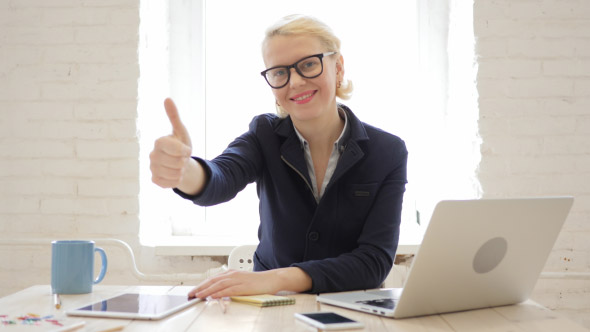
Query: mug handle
x=103 y=269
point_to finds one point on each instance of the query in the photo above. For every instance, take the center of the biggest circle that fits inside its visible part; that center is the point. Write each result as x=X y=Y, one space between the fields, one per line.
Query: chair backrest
x=242 y=258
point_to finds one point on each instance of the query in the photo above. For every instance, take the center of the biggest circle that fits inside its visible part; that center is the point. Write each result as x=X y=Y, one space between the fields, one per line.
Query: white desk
x=527 y=316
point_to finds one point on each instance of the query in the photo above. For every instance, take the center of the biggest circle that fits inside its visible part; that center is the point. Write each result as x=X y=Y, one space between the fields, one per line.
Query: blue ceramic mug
x=72 y=266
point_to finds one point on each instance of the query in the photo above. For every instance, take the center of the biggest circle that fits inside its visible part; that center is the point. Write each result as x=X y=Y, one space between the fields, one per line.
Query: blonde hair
x=293 y=25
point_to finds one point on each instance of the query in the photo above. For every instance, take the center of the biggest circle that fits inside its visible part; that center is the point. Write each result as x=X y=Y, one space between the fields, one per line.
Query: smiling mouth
x=304 y=97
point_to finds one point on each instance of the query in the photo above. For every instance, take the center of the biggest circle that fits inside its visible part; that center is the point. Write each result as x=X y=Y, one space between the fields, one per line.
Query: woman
x=330 y=186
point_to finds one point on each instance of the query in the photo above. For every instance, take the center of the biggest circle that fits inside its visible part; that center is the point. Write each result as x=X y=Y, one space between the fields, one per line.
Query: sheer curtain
x=397 y=53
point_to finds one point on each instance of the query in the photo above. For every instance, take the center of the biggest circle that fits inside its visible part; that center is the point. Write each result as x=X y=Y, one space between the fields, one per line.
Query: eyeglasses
x=308 y=67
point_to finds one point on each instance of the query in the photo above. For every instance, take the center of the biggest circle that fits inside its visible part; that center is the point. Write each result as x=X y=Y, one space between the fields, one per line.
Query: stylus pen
x=222 y=304
x=56 y=301
x=220 y=301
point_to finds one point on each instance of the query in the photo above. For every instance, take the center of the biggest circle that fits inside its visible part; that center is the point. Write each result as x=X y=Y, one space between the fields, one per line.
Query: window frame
x=191 y=94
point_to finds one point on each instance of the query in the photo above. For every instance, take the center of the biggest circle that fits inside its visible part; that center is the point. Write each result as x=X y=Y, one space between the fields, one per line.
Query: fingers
x=210 y=286
x=171 y=146
x=168 y=161
x=230 y=283
x=178 y=129
x=171 y=154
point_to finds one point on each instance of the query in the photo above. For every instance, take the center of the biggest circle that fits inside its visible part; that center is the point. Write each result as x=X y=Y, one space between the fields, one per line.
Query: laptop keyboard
x=382 y=303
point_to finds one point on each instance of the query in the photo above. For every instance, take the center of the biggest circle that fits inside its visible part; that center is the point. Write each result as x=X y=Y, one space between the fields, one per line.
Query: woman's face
x=304 y=98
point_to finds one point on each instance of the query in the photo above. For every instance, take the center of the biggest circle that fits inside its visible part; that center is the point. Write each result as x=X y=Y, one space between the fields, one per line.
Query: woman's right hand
x=170 y=160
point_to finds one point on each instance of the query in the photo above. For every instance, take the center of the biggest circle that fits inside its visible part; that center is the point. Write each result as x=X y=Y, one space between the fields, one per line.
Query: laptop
x=474 y=254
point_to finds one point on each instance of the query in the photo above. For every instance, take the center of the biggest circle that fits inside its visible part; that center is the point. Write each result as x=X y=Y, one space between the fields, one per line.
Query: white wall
x=534 y=101
x=69 y=149
x=69 y=152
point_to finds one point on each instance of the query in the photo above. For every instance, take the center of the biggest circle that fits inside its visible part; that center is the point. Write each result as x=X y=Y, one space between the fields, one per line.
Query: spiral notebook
x=264 y=300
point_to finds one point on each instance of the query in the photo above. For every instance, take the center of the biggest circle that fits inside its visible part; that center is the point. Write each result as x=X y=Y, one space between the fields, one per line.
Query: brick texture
x=534 y=93
x=69 y=149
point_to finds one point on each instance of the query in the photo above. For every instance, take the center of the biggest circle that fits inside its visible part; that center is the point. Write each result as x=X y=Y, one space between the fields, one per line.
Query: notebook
x=135 y=306
x=475 y=254
x=264 y=300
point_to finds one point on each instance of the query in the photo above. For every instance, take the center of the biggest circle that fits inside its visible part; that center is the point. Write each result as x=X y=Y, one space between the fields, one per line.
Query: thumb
x=178 y=129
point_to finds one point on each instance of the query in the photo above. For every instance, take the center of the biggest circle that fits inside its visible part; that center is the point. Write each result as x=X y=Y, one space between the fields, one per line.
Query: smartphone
x=328 y=321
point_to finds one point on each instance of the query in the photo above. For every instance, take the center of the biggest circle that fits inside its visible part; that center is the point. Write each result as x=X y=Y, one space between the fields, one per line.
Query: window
x=207 y=56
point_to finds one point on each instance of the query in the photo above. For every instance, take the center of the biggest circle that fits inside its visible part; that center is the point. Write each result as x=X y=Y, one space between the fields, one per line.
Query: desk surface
x=527 y=316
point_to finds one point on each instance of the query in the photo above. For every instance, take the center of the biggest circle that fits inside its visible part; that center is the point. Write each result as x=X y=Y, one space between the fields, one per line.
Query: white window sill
x=195 y=245
x=222 y=246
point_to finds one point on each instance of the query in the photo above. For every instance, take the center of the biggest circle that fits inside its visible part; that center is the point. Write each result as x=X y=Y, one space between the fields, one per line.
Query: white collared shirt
x=337 y=150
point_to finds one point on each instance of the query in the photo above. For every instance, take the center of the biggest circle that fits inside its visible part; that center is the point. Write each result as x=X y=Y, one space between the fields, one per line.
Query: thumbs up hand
x=170 y=160
x=178 y=129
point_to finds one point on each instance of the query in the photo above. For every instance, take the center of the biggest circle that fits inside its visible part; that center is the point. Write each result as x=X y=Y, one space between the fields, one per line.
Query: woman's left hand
x=233 y=283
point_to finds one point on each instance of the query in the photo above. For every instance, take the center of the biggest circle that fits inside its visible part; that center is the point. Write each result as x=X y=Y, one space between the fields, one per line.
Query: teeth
x=303 y=97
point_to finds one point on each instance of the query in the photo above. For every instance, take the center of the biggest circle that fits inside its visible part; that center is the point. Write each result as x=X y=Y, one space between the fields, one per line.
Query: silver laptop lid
x=482 y=253
x=475 y=254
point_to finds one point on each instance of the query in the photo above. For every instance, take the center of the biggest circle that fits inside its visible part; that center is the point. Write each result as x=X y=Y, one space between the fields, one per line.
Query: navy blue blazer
x=348 y=240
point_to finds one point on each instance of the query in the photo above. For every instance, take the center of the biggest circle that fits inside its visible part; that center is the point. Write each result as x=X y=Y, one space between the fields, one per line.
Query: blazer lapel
x=292 y=151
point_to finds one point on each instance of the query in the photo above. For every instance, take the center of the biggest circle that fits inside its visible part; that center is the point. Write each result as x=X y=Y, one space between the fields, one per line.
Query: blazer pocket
x=363 y=190
x=357 y=201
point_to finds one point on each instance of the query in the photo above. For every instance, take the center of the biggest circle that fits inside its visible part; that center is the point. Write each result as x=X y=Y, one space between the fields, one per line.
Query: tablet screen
x=131 y=305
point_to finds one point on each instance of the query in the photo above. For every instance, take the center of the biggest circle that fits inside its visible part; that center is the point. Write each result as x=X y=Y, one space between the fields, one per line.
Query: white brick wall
x=68 y=138
x=69 y=149
x=534 y=99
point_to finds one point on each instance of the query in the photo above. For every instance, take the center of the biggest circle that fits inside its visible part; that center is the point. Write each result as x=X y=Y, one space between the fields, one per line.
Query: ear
x=340 y=68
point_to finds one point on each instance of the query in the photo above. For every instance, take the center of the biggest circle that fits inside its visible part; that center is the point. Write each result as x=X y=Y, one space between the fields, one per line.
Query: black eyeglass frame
x=288 y=68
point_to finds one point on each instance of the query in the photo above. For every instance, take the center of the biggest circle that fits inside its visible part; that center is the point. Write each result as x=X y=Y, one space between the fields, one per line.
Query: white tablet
x=135 y=306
